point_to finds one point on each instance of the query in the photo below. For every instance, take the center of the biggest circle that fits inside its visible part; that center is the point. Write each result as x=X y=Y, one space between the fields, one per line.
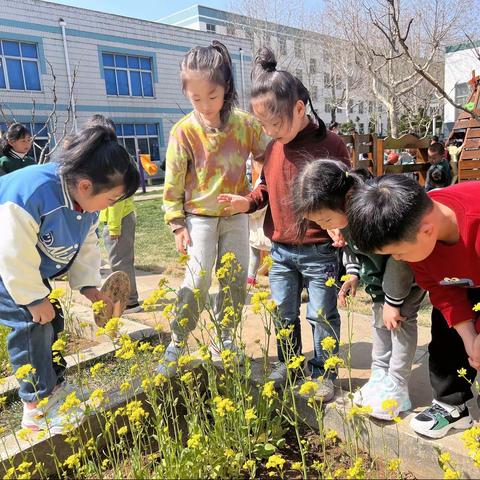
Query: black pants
x=447 y=356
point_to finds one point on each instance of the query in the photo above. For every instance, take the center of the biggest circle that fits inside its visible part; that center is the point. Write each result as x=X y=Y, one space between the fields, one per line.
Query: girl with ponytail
x=49 y=214
x=283 y=106
x=321 y=194
x=206 y=155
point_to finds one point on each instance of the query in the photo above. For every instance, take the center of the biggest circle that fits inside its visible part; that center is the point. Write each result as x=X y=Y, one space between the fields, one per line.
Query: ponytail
x=95 y=154
x=323 y=184
x=15 y=132
x=215 y=63
x=281 y=89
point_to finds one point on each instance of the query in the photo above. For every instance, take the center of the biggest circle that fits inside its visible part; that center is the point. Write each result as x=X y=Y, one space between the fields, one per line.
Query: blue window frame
x=140 y=136
x=127 y=75
x=19 y=69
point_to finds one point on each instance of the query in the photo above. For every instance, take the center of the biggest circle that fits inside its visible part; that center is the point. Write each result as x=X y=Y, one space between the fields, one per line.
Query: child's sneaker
x=436 y=420
x=370 y=389
x=386 y=399
x=279 y=374
x=52 y=420
x=169 y=364
x=133 y=308
x=216 y=351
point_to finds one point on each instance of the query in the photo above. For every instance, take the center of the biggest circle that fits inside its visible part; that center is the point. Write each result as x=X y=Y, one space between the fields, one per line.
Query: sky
x=149 y=9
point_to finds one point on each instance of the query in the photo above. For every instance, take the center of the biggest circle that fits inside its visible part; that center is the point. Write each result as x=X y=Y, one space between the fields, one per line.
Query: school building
x=460 y=61
x=127 y=69
x=306 y=54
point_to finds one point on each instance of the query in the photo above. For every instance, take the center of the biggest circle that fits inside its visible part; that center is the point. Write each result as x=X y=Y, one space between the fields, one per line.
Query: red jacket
x=281 y=167
x=449 y=265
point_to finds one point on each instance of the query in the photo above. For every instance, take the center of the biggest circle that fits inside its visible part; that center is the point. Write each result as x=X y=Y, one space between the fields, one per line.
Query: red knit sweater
x=452 y=263
x=282 y=164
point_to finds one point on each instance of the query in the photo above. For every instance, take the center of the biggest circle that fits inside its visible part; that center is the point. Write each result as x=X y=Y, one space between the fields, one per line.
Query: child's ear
x=427 y=229
x=300 y=108
x=85 y=186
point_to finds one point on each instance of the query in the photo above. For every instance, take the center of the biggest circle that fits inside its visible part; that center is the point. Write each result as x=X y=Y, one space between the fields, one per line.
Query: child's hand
x=182 y=240
x=391 y=317
x=95 y=295
x=42 y=312
x=338 y=240
x=349 y=287
x=234 y=203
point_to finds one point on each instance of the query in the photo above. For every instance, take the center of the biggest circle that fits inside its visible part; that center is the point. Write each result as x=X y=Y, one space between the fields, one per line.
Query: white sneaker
x=436 y=420
x=386 y=390
x=169 y=364
x=370 y=388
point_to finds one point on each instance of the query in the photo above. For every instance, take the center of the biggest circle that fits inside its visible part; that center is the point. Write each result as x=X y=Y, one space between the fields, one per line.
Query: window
x=328 y=108
x=313 y=66
x=231 y=29
x=297 y=47
x=350 y=106
x=139 y=136
x=370 y=106
x=39 y=131
x=326 y=80
x=126 y=75
x=211 y=27
x=361 y=128
x=461 y=93
x=314 y=93
x=282 y=45
x=19 y=66
x=299 y=74
x=360 y=108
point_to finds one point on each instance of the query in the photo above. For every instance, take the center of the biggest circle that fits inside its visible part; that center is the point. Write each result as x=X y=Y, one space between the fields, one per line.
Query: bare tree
x=57 y=125
x=445 y=17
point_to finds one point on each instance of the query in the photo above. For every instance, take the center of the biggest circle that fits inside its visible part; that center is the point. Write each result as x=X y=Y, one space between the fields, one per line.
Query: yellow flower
x=285 y=332
x=356 y=470
x=127 y=348
x=98 y=306
x=333 y=362
x=184 y=360
x=135 y=411
x=227 y=356
x=330 y=282
x=24 y=433
x=24 y=371
x=462 y=372
x=249 y=464
x=297 y=466
x=451 y=474
x=204 y=353
x=471 y=440
x=187 y=377
x=194 y=441
x=296 y=362
x=42 y=403
x=183 y=322
x=345 y=278
x=159 y=379
x=125 y=387
x=229 y=453
x=476 y=307
x=267 y=262
x=328 y=344
x=56 y=294
x=389 y=405
x=223 y=405
x=24 y=466
x=112 y=327
x=97 y=398
x=331 y=435
x=275 y=461
x=122 y=430
x=59 y=345
x=359 y=411
x=96 y=368
x=308 y=388
x=250 y=414
x=394 y=465
x=445 y=458
x=268 y=390
x=183 y=259
x=228 y=257
x=72 y=461
x=71 y=401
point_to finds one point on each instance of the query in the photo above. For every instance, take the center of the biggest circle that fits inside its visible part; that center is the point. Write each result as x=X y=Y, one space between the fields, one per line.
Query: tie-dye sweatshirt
x=204 y=162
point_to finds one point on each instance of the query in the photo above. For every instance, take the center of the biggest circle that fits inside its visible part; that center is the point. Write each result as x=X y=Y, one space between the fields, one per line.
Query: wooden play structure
x=464 y=139
x=463 y=145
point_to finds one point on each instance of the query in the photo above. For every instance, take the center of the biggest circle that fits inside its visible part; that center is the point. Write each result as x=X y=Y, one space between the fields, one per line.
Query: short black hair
x=386 y=210
x=437 y=148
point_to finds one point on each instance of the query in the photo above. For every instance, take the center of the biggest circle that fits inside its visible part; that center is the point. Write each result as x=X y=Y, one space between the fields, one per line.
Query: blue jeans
x=296 y=266
x=30 y=342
